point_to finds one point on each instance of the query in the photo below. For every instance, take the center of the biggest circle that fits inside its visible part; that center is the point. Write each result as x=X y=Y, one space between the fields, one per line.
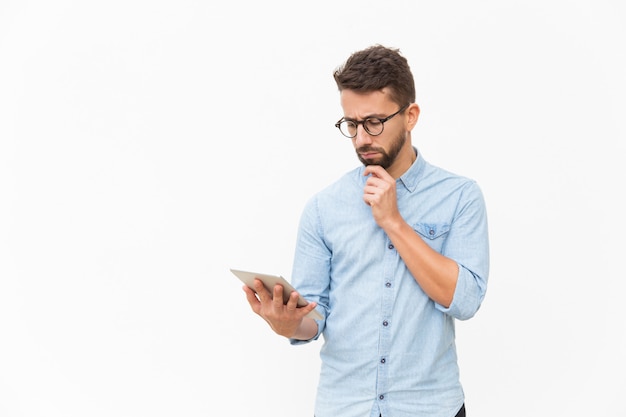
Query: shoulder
x=436 y=174
x=344 y=191
x=444 y=184
x=351 y=180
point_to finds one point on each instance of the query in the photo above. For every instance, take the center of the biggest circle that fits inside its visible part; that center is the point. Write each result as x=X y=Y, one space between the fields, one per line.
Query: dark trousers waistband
x=461 y=412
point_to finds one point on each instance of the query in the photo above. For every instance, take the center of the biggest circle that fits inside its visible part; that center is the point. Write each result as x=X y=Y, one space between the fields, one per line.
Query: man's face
x=381 y=149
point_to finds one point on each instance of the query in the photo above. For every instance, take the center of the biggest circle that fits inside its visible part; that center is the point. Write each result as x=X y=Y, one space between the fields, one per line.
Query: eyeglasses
x=372 y=125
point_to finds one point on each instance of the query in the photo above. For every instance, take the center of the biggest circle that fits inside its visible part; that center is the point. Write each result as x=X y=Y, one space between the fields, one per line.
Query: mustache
x=364 y=149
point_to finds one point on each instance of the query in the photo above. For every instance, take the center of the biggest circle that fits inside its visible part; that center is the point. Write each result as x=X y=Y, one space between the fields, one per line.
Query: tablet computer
x=269 y=281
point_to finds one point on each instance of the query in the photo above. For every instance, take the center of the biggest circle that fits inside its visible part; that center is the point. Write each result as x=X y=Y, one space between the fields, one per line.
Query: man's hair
x=375 y=68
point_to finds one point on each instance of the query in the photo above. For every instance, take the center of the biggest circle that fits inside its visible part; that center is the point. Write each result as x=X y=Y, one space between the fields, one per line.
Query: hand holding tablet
x=269 y=281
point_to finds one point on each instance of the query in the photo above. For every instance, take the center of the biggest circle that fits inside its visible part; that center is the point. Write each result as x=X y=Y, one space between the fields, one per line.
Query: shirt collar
x=411 y=177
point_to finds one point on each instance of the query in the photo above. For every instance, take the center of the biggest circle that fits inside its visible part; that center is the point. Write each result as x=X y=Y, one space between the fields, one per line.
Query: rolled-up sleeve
x=468 y=245
x=310 y=274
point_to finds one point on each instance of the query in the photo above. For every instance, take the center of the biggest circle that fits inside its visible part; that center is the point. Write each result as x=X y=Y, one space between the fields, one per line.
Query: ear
x=414 y=113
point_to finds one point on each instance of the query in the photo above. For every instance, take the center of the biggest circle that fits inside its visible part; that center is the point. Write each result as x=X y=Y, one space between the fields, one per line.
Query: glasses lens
x=373 y=126
x=348 y=128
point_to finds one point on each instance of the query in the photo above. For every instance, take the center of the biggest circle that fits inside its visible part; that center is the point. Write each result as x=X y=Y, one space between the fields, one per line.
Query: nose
x=362 y=137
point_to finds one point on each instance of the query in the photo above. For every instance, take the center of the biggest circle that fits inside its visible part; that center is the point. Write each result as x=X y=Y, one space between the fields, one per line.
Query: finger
x=278 y=296
x=372 y=190
x=374 y=182
x=370 y=199
x=249 y=292
x=254 y=302
x=380 y=183
x=309 y=307
x=376 y=171
x=370 y=169
x=260 y=290
x=292 y=303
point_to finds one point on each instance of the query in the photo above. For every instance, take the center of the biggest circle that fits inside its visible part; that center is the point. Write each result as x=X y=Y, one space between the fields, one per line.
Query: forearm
x=436 y=274
x=307 y=329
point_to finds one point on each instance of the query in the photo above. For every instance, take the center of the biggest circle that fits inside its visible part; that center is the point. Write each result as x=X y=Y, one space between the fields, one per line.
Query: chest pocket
x=433 y=233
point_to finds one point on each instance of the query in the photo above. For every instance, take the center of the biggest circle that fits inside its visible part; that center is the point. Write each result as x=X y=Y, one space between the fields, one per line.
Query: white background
x=146 y=147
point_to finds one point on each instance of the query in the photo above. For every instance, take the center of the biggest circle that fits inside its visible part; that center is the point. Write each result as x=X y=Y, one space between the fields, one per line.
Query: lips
x=368 y=155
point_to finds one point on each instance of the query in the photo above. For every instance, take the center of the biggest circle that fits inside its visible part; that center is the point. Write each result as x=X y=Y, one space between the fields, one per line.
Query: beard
x=387 y=158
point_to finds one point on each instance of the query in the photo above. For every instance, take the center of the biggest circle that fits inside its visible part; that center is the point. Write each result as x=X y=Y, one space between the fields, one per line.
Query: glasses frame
x=362 y=122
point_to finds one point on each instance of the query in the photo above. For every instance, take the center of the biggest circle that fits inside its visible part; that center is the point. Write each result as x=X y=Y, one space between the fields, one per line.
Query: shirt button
x=390 y=246
x=387 y=284
x=383 y=360
x=385 y=323
x=381 y=397
x=431 y=232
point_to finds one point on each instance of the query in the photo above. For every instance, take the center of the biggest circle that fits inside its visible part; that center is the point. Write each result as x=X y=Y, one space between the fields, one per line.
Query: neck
x=403 y=161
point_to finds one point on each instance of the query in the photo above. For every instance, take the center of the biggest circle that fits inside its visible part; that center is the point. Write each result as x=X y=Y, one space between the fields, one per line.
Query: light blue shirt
x=388 y=348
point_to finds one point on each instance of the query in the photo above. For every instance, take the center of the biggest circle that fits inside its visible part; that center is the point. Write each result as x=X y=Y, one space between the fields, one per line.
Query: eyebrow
x=376 y=116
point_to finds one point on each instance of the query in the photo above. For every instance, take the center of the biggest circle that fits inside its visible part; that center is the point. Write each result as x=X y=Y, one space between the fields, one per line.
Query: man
x=390 y=254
